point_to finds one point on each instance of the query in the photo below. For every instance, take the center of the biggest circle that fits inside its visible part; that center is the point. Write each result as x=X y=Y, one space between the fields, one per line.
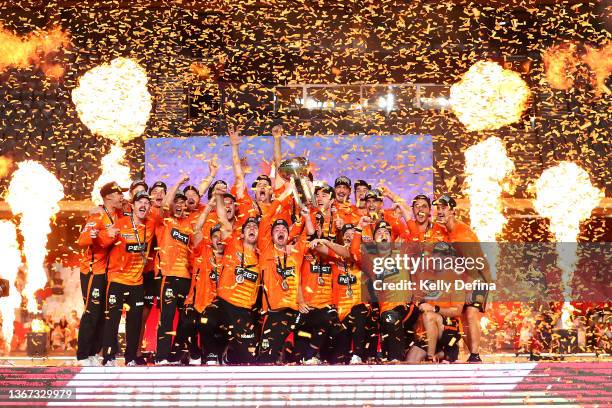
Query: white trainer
x=195 y=361
x=356 y=359
x=131 y=364
x=111 y=363
x=312 y=361
x=94 y=361
x=86 y=362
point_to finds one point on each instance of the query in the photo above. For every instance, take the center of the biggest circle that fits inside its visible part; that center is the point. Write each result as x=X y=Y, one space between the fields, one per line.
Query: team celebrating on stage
x=263 y=277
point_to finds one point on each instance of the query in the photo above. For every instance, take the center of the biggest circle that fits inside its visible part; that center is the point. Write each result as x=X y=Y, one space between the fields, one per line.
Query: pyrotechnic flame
x=38 y=326
x=200 y=70
x=6 y=164
x=484 y=322
x=22 y=52
x=113 y=169
x=34 y=193
x=565 y=195
x=11 y=259
x=600 y=61
x=113 y=101
x=560 y=64
x=489 y=97
x=486 y=166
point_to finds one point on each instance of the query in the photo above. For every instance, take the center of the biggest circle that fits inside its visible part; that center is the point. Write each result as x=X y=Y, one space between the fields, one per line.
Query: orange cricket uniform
x=316 y=280
x=175 y=247
x=128 y=254
x=247 y=207
x=240 y=275
x=398 y=227
x=349 y=213
x=461 y=233
x=207 y=267
x=94 y=258
x=346 y=275
x=435 y=233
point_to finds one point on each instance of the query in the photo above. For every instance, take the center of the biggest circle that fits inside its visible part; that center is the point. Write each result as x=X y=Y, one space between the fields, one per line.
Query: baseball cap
x=192 y=188
x=343 y=181
x=229 y=195
x=180 y=196
x=382 y=224
x=260 y=178
x=375 y=194
x=362 y=183
x=158 y=184
x=446 y=200
x=215 y=228
x=421 y=197
x=212 y=188
x=347 y=227
x=137 y=183
x=280 y=221
x=326 y=189
x=110 y=188
x=250 y=220
x=139 y=195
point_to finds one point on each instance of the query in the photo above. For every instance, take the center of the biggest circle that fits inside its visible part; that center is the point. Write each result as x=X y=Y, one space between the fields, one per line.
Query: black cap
x=192 y=188
x=343 y=181
x=212 y=188
x=139 y=195
x=282 y=222
x=159 y=184
x=326 y=189
x=261 y=177
x=346 y=227
x=215 y=228
x=110 y=188
x=421 y=197
x=445 y=199
x=180 y=196
x=444 y=249
x=375 y=194
x=382 y=224
x=137 y=183
x=250 y=220
x=362 y=183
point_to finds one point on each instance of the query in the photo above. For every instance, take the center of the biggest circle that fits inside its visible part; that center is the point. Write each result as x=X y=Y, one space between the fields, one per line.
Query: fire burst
x=11 y=260
x=486 y=166
x=600 y=62
x=489 y=97
x=112 y=100
x=113 y=169
x=566 y=197
x=560 y=65
x=22 y=52
x=34 y=193
x=6 y=164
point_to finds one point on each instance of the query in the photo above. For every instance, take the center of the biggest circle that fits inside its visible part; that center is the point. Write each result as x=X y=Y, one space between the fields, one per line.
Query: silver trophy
x=295 y=170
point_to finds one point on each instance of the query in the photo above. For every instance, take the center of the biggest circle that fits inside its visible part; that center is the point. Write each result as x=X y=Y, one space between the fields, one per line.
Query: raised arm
x=277 y=134
x=234 y=136
x=169 y=197
x=213 y=168
x=401 y=203
x=226 y=226
x=199 y=225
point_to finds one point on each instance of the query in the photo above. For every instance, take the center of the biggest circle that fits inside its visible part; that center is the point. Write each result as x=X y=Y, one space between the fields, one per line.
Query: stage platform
x=541 y=384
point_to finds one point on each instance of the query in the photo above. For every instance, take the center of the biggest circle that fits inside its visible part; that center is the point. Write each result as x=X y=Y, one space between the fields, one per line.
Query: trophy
x=295 y=170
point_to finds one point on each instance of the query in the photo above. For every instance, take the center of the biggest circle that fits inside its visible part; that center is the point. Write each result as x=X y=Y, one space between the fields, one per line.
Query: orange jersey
x=204 y=283
x=347 y=282
x=247 y=207
x=175 y=247
x=129 y=251
x=240 y=275
x=94 y=258
x=348 y=212
x=461 y=233
x=316 y=280
x=398 y=227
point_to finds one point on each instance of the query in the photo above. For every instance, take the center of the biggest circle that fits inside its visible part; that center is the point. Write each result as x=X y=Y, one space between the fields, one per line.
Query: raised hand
x=277 y=131
x=234 y=134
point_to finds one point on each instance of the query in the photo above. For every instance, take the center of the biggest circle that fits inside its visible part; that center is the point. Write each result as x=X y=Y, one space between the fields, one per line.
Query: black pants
x=91 y=328
x=353 y=337
x=186 y=339
x=397 y=330
x=172 y=299
x=277 y=326
x=372 y=328
x=224 y=323
x=312 y=331
x=117 y=295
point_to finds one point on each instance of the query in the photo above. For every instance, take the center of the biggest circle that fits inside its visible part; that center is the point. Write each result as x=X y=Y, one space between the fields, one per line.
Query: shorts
x=152 y=287
x=478 y=300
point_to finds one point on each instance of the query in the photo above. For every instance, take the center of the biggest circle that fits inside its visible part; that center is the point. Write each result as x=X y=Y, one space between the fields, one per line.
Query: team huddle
x=264 y=277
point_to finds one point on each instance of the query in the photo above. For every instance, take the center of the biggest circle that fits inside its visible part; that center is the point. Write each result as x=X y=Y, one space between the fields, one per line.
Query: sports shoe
x=356 y=359
x=85 y=362
x=212 y=362
x=132 y=364
x=312 y=361
x=195 y=361
x=474 y=358
x=111 y=363
x=94 y=361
